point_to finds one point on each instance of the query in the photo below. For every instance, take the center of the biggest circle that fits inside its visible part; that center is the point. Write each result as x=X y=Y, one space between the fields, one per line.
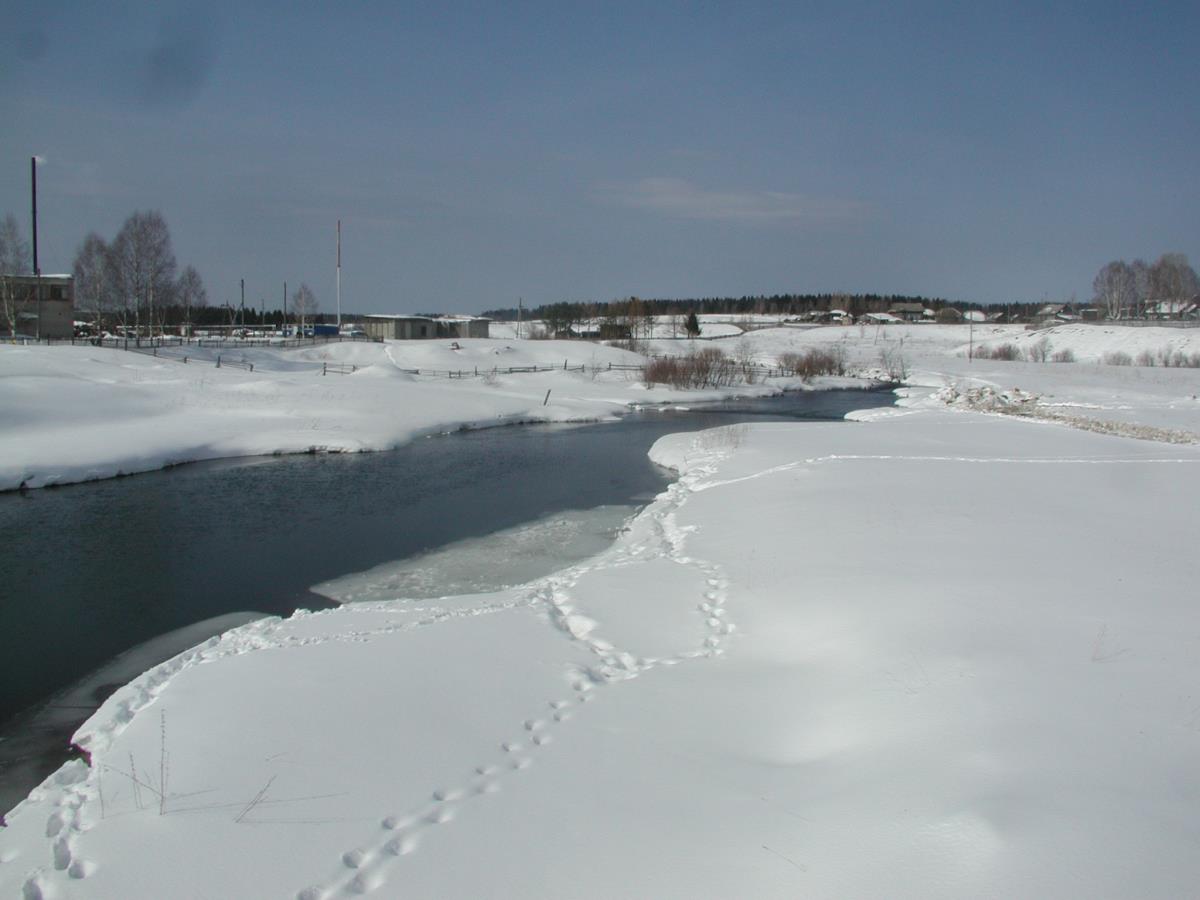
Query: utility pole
x=520 y=300
x=285 y=309
x=243 y=304
x=37 y=270
x=339 y=275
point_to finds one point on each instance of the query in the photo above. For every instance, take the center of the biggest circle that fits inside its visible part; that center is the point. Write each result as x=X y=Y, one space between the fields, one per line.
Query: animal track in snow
x=365 y=868
x=666 y=539
x=440 y=816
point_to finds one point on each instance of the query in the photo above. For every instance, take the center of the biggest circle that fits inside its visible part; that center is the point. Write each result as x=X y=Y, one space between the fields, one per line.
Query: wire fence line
x=759 y=371
x=223 y=360
x=476 y=372
x=130 y=343
x=1145 y=323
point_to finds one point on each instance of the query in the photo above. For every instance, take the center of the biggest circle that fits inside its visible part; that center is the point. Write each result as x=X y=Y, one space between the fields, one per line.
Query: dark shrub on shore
x=703 y=368
x=815 y=361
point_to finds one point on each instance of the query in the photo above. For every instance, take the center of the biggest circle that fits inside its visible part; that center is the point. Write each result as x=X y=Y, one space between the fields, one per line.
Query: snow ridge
x=1016 y=402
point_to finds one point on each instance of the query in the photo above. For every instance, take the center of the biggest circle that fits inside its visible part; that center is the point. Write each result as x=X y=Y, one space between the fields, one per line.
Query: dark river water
x=89 y=571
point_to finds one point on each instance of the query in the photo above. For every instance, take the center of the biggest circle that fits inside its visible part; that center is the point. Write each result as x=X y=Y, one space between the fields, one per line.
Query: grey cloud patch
x=679 y=198
x=176 y=68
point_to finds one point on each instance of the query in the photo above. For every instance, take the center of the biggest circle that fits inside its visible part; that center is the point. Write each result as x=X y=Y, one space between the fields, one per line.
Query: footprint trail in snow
x=366 y=867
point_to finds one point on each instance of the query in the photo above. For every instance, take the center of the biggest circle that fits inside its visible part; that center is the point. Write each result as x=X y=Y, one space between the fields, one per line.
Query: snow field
x=936 y=357
x=79 y=413
x=934 y=653
x=863 y=343
x=898 y=658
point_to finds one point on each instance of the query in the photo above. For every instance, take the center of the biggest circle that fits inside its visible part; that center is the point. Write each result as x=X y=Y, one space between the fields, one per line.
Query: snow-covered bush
x=1117 y=358
x=1039 y=351
x=893 y=363
x=1065 y=355
x=1008 y=352
x=1178 y=359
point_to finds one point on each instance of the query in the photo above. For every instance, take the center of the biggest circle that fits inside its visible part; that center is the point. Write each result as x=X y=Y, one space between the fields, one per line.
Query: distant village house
x=1054 y=314
x=1173 y=309
x=911 y=312
x=417 y=328
x=879 y=318
x=43 y=307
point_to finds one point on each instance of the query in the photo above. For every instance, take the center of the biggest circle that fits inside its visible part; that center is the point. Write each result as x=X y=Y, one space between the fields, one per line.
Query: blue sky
x=477 y=153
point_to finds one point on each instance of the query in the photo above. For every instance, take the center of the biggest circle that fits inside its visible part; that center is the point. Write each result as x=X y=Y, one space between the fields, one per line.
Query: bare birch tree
x=304 y=303
x=93 y=282
x=189 y=291
x=143 y=265
x=1115 y=289
x=14 y=260
x=1141 y=286
x=1172 y=279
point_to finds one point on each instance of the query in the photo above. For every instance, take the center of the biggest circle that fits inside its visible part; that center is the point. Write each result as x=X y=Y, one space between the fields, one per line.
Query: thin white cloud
x=682 y=199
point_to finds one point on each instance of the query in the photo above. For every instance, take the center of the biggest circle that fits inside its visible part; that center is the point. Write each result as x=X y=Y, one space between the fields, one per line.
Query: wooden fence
x=754 y=370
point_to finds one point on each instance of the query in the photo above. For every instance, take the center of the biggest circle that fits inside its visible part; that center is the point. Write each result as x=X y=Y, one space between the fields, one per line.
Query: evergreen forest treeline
x=775 y=304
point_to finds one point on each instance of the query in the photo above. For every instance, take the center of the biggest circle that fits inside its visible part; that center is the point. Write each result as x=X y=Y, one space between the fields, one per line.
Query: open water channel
x=100 y=581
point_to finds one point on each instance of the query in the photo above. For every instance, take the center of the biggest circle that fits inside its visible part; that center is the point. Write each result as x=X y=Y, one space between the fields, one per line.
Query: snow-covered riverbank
x=72 y=414
x=939 y=653
x=952 y=359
